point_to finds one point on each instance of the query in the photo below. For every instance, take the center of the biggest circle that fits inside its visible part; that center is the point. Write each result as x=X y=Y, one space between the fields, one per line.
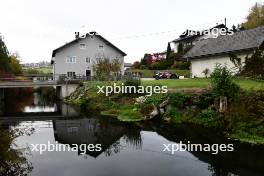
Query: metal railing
x=63 y=78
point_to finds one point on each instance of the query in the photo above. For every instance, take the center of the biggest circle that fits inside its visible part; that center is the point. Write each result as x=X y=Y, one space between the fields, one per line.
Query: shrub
x=173 y=115
x=209 y=118
x=182 y=65
x=130 y=81
x=249 y=105
x=142 y=67
x=179 y=100
x=205 y=100
x=254 y=65
x=222 y=82
x=155 y=99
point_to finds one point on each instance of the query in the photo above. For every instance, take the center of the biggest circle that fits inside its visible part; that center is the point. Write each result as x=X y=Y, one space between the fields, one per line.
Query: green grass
x=45 y=70
x=250 y=84
x=179 y=83
x=125 y=113
x=149 y=73
x=201 y=83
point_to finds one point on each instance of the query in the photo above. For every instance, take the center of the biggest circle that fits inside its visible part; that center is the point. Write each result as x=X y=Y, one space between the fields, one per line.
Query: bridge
x=64 y=85
x=15 y=84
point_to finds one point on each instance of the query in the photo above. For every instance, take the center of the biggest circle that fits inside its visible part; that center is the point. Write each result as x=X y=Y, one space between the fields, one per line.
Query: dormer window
x=82 y=46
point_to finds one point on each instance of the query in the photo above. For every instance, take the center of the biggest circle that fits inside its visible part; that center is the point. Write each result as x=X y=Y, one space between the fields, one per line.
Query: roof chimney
x=77 y=35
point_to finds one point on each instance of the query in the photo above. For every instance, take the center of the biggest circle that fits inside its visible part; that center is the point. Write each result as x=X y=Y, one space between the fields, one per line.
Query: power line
x=173 y=30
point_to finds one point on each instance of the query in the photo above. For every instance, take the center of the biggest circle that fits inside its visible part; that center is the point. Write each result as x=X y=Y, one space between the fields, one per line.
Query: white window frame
x=71 y=59
x=71 y=74
x=88 y=60
x=82 y=46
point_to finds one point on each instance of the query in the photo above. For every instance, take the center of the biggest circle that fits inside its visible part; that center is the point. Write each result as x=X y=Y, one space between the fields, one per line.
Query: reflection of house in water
x=67 y=110
x=87 y=131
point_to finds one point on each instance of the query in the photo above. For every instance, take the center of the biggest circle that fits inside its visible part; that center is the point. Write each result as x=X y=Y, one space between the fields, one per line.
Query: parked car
x=165 y=75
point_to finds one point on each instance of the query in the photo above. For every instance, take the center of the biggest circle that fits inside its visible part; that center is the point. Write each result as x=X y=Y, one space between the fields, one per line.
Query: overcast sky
x=34 y=28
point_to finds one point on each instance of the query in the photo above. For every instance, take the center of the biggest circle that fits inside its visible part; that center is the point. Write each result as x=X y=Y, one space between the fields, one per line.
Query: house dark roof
x=239 y=41
x=185 y=37
x=77 y=39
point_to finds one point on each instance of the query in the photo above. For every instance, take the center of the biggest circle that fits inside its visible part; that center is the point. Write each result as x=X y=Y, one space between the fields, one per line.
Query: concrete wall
x=65 y=90
x=199 y=65
x=92 y=51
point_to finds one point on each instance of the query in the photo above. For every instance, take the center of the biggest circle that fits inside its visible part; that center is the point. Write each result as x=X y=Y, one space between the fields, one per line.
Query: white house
x=205 y=54
x=79 y=56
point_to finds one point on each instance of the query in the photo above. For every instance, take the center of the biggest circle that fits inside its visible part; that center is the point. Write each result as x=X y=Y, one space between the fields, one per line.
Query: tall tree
x=255 y=17
x=254 y=65
x=144 y=60
x=15 y=64
x=169 y=51
x=4 y=59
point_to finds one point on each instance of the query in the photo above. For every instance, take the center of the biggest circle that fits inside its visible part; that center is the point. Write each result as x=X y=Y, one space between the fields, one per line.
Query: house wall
x=199 y=65
x=92 y=50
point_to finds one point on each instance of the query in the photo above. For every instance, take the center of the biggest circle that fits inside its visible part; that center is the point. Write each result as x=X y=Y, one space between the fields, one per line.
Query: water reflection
x=13 y=159
x=34 y=103
x=95 y=131
x=126 y=149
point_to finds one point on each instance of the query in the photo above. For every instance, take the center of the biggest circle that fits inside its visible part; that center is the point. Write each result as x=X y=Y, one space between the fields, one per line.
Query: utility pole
x=225 y=22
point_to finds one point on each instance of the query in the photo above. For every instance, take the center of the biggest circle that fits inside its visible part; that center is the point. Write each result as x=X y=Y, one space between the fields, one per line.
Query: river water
x=33 y=118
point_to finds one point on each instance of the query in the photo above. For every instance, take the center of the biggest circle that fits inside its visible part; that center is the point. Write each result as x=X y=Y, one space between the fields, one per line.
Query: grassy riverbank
x=116 y=105
x=149 y=73
x=202 y=83
x=242 y=120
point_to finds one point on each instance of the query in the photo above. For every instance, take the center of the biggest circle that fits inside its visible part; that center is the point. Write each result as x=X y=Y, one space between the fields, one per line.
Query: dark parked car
x=165 y=75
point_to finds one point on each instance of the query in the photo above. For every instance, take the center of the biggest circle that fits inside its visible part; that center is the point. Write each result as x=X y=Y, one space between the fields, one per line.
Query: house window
x=72 y=130
x=82 y=46
x=71 y=59
x=88 y=60
x=101 y=47
x=70 y=74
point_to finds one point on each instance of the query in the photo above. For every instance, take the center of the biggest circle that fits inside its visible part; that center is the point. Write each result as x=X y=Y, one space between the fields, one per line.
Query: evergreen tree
x=254 y=65
x=4 y=58
x=169 y=51
x=144 y=60
x=180 y=48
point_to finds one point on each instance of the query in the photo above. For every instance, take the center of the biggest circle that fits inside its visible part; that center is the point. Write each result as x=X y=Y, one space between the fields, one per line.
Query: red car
x=165 y=75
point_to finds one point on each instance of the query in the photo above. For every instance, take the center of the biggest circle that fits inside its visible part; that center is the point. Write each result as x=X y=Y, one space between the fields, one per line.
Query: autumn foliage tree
x=136 y=65
x=255 y=17
x=9 y=64
x=106 y=70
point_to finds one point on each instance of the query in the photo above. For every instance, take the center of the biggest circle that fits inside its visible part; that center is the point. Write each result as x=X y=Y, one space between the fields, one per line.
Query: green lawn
x=45 y=70
x=201 y=83
x=149 y=73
